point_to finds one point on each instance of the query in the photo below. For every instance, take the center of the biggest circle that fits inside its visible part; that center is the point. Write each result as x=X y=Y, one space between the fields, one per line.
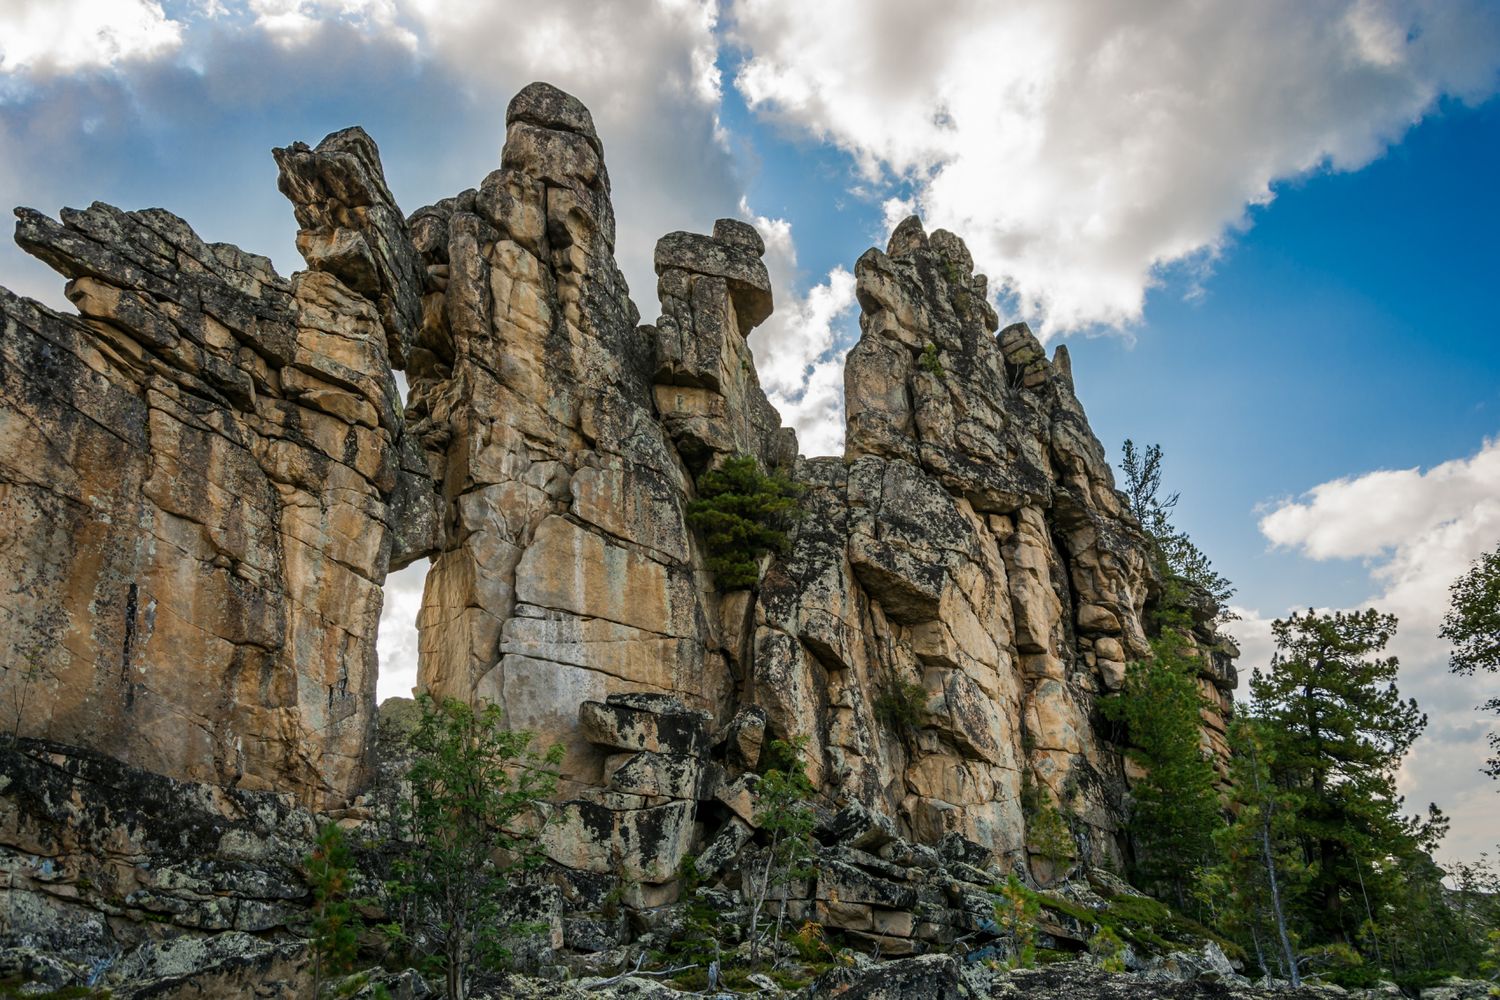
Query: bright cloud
x=799 y=351
x=1417 y=531
x=61 y=36
x=297 y=22
x=1082 y=146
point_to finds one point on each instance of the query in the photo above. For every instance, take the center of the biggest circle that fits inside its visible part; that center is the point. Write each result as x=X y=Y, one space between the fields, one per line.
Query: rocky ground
x=943 y=977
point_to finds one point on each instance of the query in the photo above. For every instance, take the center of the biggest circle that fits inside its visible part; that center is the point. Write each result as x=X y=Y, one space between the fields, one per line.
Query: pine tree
x=1338 y=729
x=1258 y=870
x=335 y=924
x=743 y=514
x=1178 y=556
x=1175 y=808
x=1473 y=626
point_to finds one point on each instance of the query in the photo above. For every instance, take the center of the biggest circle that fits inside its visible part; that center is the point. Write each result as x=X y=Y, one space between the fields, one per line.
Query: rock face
x=156 y=887
x=209 y=473
x=199 y=473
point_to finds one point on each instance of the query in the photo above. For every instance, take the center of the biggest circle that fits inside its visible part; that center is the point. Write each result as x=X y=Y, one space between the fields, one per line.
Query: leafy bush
x=698 y=941
x=929 y=361
x=744 y=514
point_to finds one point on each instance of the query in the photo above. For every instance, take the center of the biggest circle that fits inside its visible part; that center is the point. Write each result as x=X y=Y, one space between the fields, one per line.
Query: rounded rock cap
x=740 y=234
x=546 y=106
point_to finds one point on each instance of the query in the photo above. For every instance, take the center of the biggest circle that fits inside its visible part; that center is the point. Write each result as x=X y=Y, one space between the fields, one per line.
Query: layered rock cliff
x=209 y=473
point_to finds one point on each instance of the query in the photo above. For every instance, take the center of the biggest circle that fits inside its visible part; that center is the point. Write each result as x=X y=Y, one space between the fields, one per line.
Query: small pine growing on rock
x=335 y=925
x=744 y=514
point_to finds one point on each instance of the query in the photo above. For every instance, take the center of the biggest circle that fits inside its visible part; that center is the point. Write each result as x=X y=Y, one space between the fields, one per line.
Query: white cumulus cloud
x=1417 y=531
x=61 y=36
x=799 y=351
x=1082 y=145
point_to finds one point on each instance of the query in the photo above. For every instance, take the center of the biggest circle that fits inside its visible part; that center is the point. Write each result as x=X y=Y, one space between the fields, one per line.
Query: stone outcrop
x=152 y=886
x=209 y=473
x=200 y=473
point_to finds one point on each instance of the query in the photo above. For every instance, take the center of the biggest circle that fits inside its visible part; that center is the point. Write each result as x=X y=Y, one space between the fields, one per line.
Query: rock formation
x=208 y=474
x=200 y=474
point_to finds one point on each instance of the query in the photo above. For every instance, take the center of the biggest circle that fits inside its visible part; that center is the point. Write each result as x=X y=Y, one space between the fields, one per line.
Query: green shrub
x=900 y=705
x=697 y=942
x=1108 y=949
x=1339 y=963
x=744 y=514
x=929 y=362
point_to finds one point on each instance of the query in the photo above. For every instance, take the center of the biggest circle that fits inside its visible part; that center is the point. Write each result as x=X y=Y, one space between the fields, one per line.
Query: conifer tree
x=335 y=924
x=1338 y=729
x=1473 y=626
x=743 y=514
x=1178 y=556
x=1175 y=808
x=1258 y=870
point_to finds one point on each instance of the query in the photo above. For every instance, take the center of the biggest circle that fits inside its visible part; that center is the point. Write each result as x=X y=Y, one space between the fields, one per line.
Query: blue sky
x=1267 y=232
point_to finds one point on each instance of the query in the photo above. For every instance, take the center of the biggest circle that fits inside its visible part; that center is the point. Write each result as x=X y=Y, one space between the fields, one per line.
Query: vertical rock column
x=200 y=469
x=566 y=572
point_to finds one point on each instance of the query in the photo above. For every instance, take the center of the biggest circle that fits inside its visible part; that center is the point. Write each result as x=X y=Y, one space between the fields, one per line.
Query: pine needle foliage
x=744 y=514
x=1175 y=808
x=1338 y=729
x=335 y=924
x=1472 y=625
x=1176 y=553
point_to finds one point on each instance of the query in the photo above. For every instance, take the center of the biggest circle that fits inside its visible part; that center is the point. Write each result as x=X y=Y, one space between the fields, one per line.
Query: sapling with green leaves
x=467 y=827
x=783 y=811
x=1177 y=555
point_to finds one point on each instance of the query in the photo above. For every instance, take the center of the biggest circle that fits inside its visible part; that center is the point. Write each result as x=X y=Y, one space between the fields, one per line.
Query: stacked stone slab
x=639 y=826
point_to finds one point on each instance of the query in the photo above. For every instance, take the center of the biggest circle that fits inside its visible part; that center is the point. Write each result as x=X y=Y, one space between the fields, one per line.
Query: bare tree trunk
x=1359 y=869
x=1260 y=955
x=760 y=900
x=1265 y=841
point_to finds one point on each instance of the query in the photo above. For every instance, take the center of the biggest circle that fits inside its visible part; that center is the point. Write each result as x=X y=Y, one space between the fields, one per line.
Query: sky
x=1267 y=232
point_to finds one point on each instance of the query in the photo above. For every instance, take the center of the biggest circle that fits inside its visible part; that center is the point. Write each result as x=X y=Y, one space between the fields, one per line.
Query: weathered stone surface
x=736 y=260
x=161 y=883
x=200 y=471
x=670 y=728
x=352 y=229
